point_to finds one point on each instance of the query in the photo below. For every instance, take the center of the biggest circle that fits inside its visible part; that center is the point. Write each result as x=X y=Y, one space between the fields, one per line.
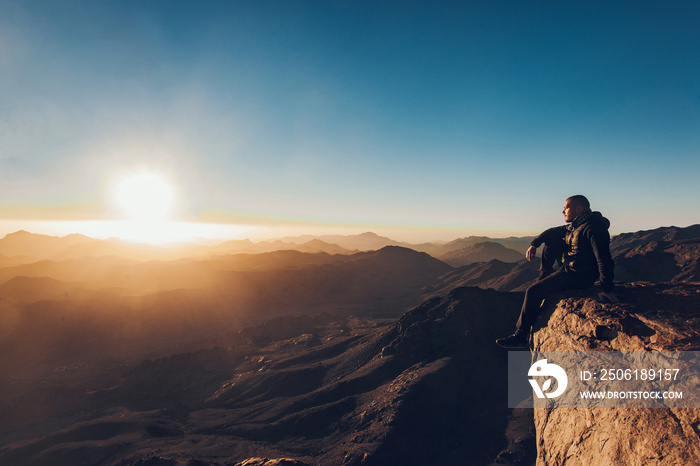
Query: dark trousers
x=559 y=281
x=552 y=251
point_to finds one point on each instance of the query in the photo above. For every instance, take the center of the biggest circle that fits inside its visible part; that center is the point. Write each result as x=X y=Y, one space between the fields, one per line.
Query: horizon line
x=198 y=232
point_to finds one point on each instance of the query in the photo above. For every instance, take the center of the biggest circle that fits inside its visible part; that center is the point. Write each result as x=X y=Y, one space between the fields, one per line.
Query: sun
x=145 y=196
x=145 y=205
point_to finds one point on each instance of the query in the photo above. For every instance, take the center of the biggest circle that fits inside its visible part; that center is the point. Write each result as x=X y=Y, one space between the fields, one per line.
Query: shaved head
x=579 y=201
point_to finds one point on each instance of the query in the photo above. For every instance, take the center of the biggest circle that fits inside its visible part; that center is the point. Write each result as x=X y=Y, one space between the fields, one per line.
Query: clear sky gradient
x=453 y=118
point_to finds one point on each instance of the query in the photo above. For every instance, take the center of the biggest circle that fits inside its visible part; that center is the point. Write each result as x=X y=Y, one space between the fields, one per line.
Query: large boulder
x=651 y=317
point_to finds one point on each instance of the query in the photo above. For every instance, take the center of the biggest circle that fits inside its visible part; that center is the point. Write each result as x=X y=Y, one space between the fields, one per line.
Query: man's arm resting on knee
x=549 y=235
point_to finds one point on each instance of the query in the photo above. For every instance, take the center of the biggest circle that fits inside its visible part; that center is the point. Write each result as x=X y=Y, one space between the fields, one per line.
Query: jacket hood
x=590 y=217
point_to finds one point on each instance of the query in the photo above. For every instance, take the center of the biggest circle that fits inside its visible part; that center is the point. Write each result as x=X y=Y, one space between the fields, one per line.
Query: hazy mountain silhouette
x=23 y=243
x=367 y=241
x=444 y=250
x=481 y=252
x=33 y=289
x=317 y=245
x=314 y=245
x=36 y=247
x=8 y=261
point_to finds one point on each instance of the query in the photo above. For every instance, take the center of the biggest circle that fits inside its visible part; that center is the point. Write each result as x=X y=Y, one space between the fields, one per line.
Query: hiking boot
x=515 y=341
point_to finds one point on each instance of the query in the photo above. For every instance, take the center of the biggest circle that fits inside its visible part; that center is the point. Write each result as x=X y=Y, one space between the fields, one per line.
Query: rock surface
x=271 y=462
x=651 y=317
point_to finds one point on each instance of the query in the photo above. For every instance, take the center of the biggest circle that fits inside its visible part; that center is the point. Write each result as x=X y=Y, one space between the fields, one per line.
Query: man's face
x=570 y=211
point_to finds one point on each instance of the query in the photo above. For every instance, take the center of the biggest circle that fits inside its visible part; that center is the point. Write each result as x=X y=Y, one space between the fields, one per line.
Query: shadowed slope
x=348 y=393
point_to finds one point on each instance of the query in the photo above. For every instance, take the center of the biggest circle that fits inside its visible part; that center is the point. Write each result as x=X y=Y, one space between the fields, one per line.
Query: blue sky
x=453 y=118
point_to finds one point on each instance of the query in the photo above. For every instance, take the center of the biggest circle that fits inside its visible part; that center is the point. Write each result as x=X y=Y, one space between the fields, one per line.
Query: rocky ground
x=651 y=317
x=428 y=389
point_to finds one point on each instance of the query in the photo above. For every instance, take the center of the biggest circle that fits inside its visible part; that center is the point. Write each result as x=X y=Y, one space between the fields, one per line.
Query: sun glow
x=166 y=233
x=145 y=196
x=146 y=201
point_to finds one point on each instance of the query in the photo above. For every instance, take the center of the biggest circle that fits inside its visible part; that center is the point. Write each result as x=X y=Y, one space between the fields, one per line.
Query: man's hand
x=531 y=251
x=609 y=297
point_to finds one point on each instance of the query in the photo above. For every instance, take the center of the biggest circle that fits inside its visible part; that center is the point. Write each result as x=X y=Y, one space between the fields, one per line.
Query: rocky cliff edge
x=650 y=317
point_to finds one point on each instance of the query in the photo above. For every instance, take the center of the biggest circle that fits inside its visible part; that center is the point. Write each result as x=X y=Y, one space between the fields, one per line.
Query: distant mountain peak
x=316 y=241
x=19 y=234
x=482 y=251
x=489 y=244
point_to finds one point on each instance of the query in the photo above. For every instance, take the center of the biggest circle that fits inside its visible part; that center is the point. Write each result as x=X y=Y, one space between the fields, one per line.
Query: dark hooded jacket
x=550 y=236
x=588 y=248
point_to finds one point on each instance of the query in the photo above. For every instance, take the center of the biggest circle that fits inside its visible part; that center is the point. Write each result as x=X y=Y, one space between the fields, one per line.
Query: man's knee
x=547 y=286
x=535 y=292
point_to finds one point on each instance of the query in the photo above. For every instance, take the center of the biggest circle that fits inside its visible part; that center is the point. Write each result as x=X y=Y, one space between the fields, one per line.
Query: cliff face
x=651 y=317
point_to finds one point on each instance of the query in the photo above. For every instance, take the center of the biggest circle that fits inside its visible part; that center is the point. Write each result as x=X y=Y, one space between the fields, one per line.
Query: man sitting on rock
x=583 y=248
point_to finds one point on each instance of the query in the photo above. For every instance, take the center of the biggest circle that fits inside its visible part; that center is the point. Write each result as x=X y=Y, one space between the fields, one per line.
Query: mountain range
x=27 y=247
x=216 y=356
